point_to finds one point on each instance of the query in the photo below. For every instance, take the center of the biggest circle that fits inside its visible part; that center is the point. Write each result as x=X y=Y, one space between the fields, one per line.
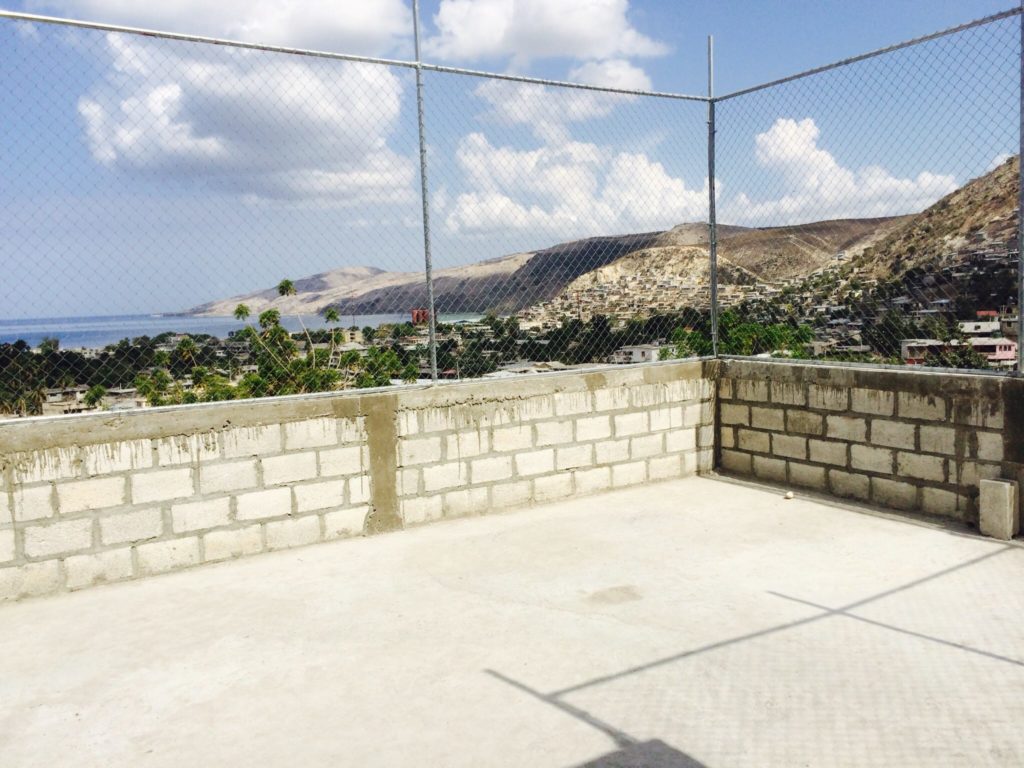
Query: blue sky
x=141 y=175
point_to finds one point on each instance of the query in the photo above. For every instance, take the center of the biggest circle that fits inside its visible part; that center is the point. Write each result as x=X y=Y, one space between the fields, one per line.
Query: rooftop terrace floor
x=695 y=622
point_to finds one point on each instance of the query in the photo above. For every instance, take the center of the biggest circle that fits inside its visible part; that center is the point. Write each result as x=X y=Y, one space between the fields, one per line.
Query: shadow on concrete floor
x=647 y=754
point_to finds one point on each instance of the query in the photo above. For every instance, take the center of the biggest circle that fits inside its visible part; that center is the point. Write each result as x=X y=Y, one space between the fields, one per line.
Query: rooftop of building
x=696 y=622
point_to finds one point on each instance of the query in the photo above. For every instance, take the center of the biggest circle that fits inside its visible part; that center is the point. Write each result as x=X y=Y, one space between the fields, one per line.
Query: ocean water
x=98 y=332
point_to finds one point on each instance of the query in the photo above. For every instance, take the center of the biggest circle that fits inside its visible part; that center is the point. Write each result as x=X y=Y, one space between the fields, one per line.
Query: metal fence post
x=1020 y=203
x=712 y=223
x=425 y=196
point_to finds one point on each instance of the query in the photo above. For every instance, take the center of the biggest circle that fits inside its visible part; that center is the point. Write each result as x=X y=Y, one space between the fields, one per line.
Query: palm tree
x=94 y=396
x=287 y=288
x=187 y=351
x=242 y=312
x=331 y=316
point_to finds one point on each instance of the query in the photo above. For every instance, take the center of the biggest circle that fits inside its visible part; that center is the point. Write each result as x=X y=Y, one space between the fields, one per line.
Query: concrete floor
x=689 y=623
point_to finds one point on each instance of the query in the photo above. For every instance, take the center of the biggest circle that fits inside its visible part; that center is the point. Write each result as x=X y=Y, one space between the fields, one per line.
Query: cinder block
x=422 y=450
x=786 y=393
x=990 y=446
x=552 y=432
x=698 y=414
x=804 y=422
x=925 y=407
x=421 y=509
x=938 y=440
x=681 y=440
x=848 y=485
x=509 y=495
x=892 y=493
x=593 y=428
x=847 y=428
x=871 y=459
x=770 y=469
x=86 y=570
x=725 y=389
x=30 y=580
x=358 y=489
x=187 y=449
x=874 y=401
x=894 y=434
x=466 y=444
x=731 y=413
x=971 y=473
x=159 y=485
x=198 y=515
x=163 y=556
x=728 y=437
x=807 y=476
x=252 y=441
x=734 y=461
x=593 y=480
x=289 y=468
x=441 y=476
x=467 y=501
x=827 y=397
x=573 y=456
x=750 y=389
x=827 y=452
x=706 y=436
x=669 y=417
x=46 y=465
x=572 y=403
x=489 y=469
x=627 y=424
x=633 y=473
x=131 y=526
x=516 y=438
x=351 y=430
x=611 y=399
x=35 y=503
x=258 y=505
x=84 y=495
x=221 y=545
x=227 y=476
x=294 y=532
x=644 y=447
x=920 y=466
x=311 y=433
x=665 y=467
x=534 y=408
x=107 y=458
x=756 y=442
x=611 y=451
x=7 y=550
x=343 y=523
x=58 y=538
x=349 y=460
x=790 y=446
x=408 y=423
x=936 y=501
x=325 y=494
x=552 y=487
x=6 y=514
x=773 y=419
x=999 y=509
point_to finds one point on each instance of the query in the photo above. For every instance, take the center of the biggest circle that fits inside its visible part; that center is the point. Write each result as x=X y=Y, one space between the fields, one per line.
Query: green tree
x=94 y=395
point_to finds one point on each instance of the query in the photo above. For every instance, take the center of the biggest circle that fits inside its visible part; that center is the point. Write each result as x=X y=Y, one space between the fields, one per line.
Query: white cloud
x=534 y=29
x=818 y=187
x=612 y=73
x=998 y=160
x=365 y=27
x=547 y=111
x=566 y=190
x=26 y=31
x=264 y=127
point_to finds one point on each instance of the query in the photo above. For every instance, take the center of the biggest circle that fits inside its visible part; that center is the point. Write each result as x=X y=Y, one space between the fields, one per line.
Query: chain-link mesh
x=872 y=208
x=573 y=221
x=187 y=221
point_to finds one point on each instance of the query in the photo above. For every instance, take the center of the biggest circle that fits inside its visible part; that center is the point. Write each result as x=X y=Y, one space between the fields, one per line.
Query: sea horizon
x=99 y=331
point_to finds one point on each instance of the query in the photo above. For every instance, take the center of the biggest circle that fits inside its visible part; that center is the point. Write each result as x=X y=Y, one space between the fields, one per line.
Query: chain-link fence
x=189 y=220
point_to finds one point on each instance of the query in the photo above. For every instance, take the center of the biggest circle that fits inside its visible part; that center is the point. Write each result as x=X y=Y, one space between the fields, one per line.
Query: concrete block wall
x=467 y=451
x=103 y=498
x=904 y=439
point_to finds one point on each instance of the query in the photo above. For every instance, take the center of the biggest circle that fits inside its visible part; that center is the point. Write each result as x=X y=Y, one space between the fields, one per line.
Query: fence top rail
x=180 y=37
x=872 y=54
